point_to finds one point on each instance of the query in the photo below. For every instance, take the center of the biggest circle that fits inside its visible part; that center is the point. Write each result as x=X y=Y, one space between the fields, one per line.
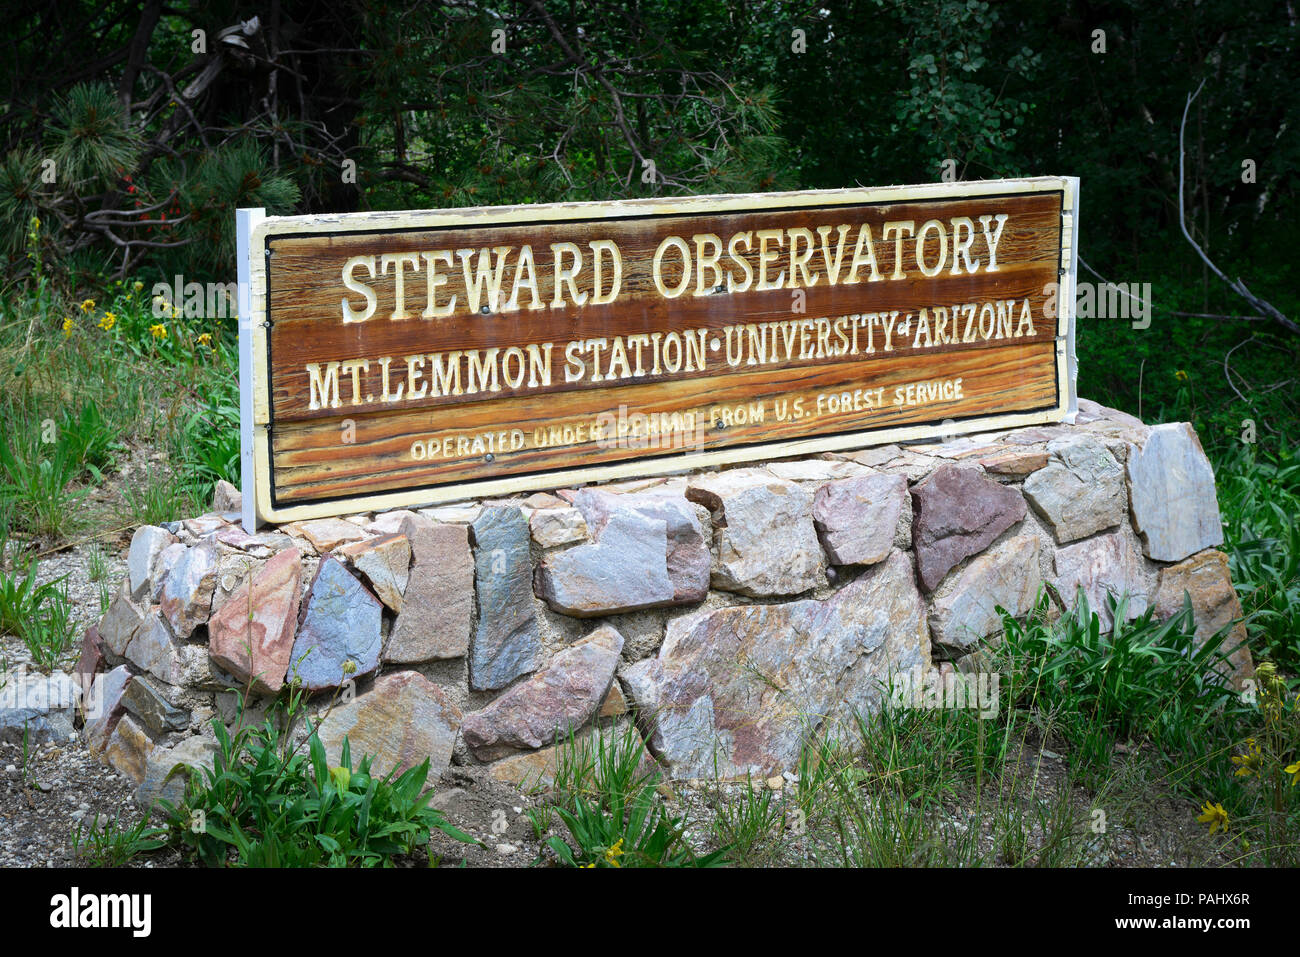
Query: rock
x=103 y=707
x=625 y=569
x=751 y=685
x=857 y=519
x=166 y=562
x=615 y=703
x=506 y=643
x=1080 y=491
x=453 y=514
x=226 y=498
x=556 y=701
x=649 y=551
x=251 y=638
x=326 y=534
x=387 y=523
x=166 y=770
x=1103 y=565
x=1014 y=462
x=438 y=602
x=41 y=706
x=552 y=527
x=204 y=525
x=120 y=622
x=1206 y=580
x=763 y=533
x=129 y=750
x=958 y=512
x=187 y=592
x=148 y=703
x=154 y=650
x=1171 y=492
x=533 y=770
x=144 y=558
x=400 y=721
x=236 y=537
x=385 y=562
x=233 y=571
x=340 y=625
x=91 y=659
x=963 y=610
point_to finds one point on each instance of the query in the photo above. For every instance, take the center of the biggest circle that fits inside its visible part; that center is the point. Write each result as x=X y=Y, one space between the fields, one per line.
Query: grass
x=111 y=845
x=39 y=614
x=605 y=797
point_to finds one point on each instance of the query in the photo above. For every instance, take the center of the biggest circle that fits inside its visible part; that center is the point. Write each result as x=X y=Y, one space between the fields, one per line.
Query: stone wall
x=737 y=613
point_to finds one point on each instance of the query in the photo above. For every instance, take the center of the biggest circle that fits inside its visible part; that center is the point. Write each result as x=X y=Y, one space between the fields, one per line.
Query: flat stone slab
x=251 y=638
x=1171 y=493
x=438 y=600
x=957 y=512
x=1103 y=565
x=764 y=539
x=556 y=701
x=1081 y=489
x=40 y=706
x=506 y=642
x=187 y=592
x=748 y=686
x=858 y=519
x=402 y=720
x=964 y=609
x=1206 y=580
x=338 y=632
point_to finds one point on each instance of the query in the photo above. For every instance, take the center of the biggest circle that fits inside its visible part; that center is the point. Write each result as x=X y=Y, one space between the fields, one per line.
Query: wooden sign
x=407 y=358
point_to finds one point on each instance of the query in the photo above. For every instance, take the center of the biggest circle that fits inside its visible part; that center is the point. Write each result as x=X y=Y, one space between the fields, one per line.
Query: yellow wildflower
x=158 y=331
x=108 y=321
x=612 y=854
x=137 y=286
x=87 y=305
x=1181 y=375
x=1294 y=771
x=1248 y=763
x=1215 y=816
x=206 y=340
x=67 y=328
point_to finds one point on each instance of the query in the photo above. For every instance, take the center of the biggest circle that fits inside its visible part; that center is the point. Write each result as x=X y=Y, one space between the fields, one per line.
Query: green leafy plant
x=111 y=845
x=607 y=801
x=265 y=803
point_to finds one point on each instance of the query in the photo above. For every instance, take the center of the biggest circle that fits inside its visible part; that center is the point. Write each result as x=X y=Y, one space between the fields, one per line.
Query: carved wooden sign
x=404 y=358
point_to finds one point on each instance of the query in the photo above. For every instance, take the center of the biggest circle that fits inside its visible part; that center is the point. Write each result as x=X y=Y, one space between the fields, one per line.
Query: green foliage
x=607 y=801
x=264 y=803
x=748 y=826
x=111 y=845
x=94 y=141
x=39 y=614
x=1259 y=498
x=1140 y=679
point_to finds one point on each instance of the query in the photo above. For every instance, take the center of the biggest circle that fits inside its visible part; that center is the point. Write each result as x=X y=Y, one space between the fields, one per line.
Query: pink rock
x=251 y=637
x=958 y=513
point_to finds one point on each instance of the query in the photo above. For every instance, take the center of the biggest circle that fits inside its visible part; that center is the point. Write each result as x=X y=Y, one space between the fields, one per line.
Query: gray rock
x=858 y=519
x=339 y=624
x=1171 y=492
x=120 y=622
x=41 y=706
x=403 y=719
x=1103 y=565
x=765 y=543
x=552 y=527
x=964 y=609
x=103 y=707
x=167 y=770
x=438 y=601
x=556 y=701
x=187 y=593
x=1080 y=491
x=506 y=642
x=386 y=564
x=751 y=685
x=958 y=512
x=144 y=558
x=625 y=569
x=148 y=702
